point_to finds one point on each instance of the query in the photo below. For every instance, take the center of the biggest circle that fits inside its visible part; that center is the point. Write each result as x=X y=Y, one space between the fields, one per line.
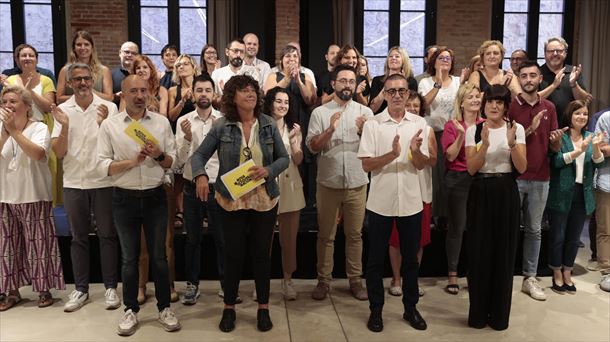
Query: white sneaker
x=604 y=284
x=76 y=300
x=533 y=289
x=288 y=291
x=168 y=320
x=128 y=323
x=112 y=299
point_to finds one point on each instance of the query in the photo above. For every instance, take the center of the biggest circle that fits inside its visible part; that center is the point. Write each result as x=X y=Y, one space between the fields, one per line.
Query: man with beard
x=235 y=53
x=138 y=169
x=561 y=83
x=251 y=41
x=334 y=134
x=74 y=139
x=194 y=127
x=538 y=115
x=324 y=76
x=127 y=53
x=394 y=147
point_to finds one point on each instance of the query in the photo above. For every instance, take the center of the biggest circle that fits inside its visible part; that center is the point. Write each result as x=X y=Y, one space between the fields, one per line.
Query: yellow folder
x=238 y=180
x=139 y=134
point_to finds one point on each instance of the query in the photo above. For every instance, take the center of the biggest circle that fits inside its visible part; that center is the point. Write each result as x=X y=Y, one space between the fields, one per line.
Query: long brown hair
x=94 y=62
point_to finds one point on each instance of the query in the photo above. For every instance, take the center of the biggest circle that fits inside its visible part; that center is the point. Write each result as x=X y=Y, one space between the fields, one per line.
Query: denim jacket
x=225 y=137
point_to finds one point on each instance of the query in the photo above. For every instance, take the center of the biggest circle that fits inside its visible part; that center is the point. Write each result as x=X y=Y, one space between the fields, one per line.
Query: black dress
x=188 y=107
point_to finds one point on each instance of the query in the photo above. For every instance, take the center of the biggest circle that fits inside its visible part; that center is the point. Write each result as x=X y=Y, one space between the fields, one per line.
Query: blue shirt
x=602 y=179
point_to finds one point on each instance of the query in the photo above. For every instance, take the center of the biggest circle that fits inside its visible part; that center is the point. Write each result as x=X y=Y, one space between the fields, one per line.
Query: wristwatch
x=161 y=157
x=437 y=85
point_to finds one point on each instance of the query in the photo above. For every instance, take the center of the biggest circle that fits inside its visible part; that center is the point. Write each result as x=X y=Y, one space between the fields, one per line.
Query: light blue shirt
x=602 y=178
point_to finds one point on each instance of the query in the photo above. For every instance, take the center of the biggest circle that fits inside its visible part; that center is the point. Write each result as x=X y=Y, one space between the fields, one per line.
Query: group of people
x=145 y=150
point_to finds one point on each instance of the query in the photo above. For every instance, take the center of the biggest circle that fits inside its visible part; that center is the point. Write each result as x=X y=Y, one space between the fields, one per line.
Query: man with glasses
x=74 y=139
x=516 y=58
x=561 y=83
x=235 y=52
x=251 y=41
x=334 y=134
x=394 y=147
x=127 y=53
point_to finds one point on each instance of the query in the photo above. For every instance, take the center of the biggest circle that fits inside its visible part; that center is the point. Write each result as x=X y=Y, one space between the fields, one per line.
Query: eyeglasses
x=237 y=50
x=393 y=91
x=445 y=58
x=82 y=78
x=247 y=153
x=556 y=51
x=516 y=59
x=345 y=81
x=129 y=53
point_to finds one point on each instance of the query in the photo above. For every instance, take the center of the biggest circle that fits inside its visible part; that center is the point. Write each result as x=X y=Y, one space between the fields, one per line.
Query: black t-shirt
x=377 y=87
x=561 y=96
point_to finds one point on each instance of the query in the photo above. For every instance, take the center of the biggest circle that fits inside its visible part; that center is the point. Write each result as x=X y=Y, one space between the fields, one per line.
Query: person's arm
x=106 y=94
x=374 y=163
x=318 y=142
x=418 y=159
x=184 y=136
x=62 y=83
x=453 y=150
x=296 y=138
x=430 y=93
x=476 y=159
x=272 y=82
x=30 y=148
x=280 y=156
x=163 y=101
x=59 y=139
x=307 y=90
x=174 y=108
x=475 y=79
x=432 y=148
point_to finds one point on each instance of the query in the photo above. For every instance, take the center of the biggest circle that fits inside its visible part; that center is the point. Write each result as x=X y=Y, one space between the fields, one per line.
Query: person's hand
x=485 y=135
x=598 y=138
x=458 y=127
x=102 y=113
x=3 y=79
x=559 y=77
x=575 y=74
x=8 y=119
x=188 y=95
x=360 y=122
x=294 y=132
x=361 y=87
x=151 y=149
x=416 y=141
x=258 y=172
x=507 y=78
x=584 y=144
x=185 y=126
x=464 y=75
x=221 y=85
x=202 y=188
x=555 y=135
x=536 y=121
x=438 y=77
x=396 y=146
x=32 y=80
x=511 y=134
x=60 y=116
x=334 y=120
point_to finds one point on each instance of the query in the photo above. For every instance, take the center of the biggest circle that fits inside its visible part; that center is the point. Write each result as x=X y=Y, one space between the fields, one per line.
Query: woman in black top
x=397 y=62
x=348 y=55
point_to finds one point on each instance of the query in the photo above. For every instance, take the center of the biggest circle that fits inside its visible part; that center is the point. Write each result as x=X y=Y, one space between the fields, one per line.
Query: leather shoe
x=415 y=319
x=263 y=321
x=375 y=323
x=227 y=322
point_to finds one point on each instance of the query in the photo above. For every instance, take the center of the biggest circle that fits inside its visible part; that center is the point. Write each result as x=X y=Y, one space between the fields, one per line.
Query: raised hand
x=559 y=77
x=102 y=113
x=334 y=120
x=360 y=122
x=8 y=119
x=416 y=141
x=294 y=132
x=576 y=71
x=185 y=126
x=60 y=116
x=464 y=75
x=555 y=136
x=598 y=138
x=458 y=127
x=536 y=121
x=507 y=78
x=361 y=87
x=396 y=146
x=485 y=135
x=511 y=133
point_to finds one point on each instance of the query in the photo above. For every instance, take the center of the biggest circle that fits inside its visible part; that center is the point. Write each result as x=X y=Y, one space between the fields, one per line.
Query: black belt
x=492 y=175
x=139 y=193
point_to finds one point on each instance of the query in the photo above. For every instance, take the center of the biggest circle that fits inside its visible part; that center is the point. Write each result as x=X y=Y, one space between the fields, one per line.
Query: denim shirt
x=225 y=137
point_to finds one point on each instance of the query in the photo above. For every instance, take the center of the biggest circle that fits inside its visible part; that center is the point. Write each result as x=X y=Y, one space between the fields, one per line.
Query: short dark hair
x=566 y=119
x=339 y=68
x=528 y=64
x=497 y=92
x=235 y=83
x=203 y=78
x=169 y=47
x=291 y=117
x=431 y=67
x=422 y=101
x=235 y=40
x=21 y=47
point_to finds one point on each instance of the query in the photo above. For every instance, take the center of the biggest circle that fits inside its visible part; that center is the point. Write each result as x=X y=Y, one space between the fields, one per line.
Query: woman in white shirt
x=494 y=150
x=29 y=249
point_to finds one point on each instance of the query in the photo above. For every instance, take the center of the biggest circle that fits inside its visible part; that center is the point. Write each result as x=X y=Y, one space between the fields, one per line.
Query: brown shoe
x=321 y=290
x=358 y=291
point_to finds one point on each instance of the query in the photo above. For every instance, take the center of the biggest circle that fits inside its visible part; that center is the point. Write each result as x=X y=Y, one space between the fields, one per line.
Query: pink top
x=450 y=133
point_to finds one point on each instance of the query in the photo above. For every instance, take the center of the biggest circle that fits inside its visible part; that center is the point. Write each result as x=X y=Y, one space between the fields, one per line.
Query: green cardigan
x=563 y=177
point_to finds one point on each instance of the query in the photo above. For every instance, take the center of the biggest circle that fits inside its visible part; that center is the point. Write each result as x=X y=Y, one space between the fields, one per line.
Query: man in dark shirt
x=127 y=53
x=323 y=78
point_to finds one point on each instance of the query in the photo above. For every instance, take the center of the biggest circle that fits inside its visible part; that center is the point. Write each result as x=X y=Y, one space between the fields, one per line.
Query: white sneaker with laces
x=76 y=300
x=533 y=289
x=128 y=323
x=288 y=290
x=112 y=299
x=168 y=320
x=604 y=284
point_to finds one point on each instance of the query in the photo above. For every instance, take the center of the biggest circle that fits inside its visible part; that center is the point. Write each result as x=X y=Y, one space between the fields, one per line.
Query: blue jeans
x=194 y=212
x=565 y=232
x=133 y=209
x=378 y=233
x=534 y=193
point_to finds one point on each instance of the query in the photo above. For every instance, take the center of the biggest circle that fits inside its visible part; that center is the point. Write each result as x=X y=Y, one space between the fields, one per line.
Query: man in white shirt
x=251 y=41
x=194 y=127
x=393 y=148
x=74 y=139
x=334 y=134
x=137 y=169
x=236 y=51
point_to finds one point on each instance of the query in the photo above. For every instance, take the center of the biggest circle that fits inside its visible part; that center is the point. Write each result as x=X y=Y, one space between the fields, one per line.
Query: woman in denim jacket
x=571 y=193
x=244 y=133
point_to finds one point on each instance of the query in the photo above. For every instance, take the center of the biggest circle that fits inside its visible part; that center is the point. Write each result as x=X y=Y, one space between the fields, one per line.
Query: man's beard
x=204 y=104
x=236 y=62
x=343 y=95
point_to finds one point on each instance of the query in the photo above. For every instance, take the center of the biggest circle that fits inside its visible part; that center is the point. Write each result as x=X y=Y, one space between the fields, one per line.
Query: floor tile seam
x=338 y=317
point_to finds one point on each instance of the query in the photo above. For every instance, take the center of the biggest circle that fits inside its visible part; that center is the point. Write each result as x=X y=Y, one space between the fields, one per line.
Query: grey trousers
x=79 y=205
x=457 y=185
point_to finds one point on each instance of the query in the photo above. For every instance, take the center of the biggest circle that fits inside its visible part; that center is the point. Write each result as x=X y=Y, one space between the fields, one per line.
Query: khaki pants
x=352 y=204
x=602 y=216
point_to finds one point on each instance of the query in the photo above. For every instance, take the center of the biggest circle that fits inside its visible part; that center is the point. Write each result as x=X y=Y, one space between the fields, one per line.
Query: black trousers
x=493 y=223
x=247 y=229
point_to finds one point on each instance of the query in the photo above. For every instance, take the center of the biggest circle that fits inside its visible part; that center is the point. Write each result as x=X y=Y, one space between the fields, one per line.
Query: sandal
x=453 y=289
x=45 y=299
x=7 y=302
x=178 y=220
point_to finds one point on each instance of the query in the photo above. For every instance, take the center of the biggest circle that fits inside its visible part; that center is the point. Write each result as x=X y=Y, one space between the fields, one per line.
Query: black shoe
x=571 y=289
x=415 y=319
x=375 y=323
x=263 y=321
x=227 y=322
x=558 y=289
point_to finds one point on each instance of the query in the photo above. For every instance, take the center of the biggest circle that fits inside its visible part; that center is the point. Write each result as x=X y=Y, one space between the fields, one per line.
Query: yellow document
x=238 y=180
x=139 y=134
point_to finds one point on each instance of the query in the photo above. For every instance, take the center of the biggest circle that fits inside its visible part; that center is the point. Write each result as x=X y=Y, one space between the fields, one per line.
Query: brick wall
x=105 y=20
x=286 y=23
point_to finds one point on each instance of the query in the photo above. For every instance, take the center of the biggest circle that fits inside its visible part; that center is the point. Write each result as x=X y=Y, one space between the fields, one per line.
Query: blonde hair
x=196 y=70
x=463 y=91
x=474 y=60
x=23 y=93
x=486 y=44
x=406 y=68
